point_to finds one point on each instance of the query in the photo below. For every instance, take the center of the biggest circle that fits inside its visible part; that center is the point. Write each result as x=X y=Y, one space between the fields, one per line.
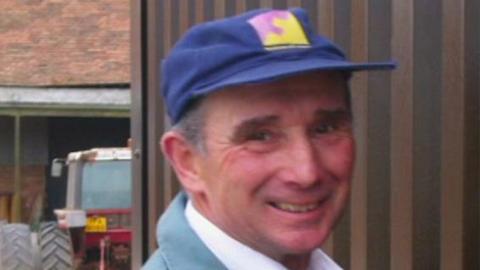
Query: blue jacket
x=179 y=246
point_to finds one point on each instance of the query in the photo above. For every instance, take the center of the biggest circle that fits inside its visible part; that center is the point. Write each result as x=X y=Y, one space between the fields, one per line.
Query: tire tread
x=55 y=247
x=16 y=247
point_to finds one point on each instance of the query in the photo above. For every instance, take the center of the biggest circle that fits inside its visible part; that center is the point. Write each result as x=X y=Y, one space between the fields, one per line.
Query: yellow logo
x=279 y=29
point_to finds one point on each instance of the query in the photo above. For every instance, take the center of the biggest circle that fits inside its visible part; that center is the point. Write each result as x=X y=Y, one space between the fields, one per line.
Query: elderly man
x=262 y=144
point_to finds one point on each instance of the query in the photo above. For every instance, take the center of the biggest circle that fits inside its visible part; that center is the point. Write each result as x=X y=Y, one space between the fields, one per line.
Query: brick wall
x=64 y=42
x=6 y=179
x=33 y=191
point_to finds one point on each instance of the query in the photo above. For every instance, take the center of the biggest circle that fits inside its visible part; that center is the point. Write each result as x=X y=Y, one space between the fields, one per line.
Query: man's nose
x=304 y=165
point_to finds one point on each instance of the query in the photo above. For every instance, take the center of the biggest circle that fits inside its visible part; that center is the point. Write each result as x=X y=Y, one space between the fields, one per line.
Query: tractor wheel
x=55 y=247
x=16 y=247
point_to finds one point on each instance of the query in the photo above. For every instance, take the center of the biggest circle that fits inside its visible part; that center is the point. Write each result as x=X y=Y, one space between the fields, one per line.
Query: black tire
x=16 y=247
x=55 y=247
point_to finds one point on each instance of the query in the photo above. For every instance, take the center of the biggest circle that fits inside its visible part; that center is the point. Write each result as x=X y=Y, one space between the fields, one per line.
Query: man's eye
x=323 y=128
x=260 y=136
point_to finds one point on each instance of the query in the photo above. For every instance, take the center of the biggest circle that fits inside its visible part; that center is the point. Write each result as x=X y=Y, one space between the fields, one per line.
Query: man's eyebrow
x=333 y=112
x=253 y=123
x=256 y=122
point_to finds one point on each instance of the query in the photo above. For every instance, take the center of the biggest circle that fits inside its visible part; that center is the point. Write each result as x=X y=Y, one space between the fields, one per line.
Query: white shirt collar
x=237 y=256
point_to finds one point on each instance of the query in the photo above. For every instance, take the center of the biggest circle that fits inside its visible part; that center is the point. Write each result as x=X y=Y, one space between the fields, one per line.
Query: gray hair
x=191 y=124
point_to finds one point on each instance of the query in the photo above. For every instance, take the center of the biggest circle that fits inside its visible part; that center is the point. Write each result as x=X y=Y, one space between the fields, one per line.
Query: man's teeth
x=296 y=208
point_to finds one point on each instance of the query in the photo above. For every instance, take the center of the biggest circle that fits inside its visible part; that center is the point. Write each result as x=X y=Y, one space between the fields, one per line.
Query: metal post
x=17 y=184
x=138 y=115
x=146 y=126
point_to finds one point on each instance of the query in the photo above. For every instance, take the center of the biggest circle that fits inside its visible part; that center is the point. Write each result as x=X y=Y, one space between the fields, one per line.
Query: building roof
x=65 y=96
x=35 y=101
x=64 y=42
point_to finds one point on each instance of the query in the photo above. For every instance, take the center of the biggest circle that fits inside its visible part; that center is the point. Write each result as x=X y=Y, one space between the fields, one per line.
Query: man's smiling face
x=278 y=162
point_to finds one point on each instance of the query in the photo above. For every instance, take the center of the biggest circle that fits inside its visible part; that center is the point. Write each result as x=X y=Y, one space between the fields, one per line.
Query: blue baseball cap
x=258 y=46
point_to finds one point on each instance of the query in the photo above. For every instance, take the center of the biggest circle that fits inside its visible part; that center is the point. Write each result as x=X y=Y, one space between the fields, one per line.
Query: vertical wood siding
x=415 y=196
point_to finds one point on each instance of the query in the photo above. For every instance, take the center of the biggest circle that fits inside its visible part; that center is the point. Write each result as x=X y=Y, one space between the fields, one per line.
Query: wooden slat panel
x=219 y=9
x=378 y=186
x=359 y=52
x=183 y=18
x=240 y=6
x=231 y=7
x=401 y=213
x=279 y=4
x=472 y=131
x=294 y=3
x=453 y=128
x=155 y=109
x=168 y=41
x=326 y=18
x=266 y=3
x=167 y=25
x=209 y=10
x=252 y=4
x=199 y=7
x=343 y=24
x=427 y=134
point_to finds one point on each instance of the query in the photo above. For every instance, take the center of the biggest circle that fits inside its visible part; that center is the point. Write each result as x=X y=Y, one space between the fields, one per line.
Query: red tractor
x=98 y=207
x=93 y=231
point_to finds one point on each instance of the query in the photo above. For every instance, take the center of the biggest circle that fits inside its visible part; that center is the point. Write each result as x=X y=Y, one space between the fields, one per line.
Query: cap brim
x=284 y=68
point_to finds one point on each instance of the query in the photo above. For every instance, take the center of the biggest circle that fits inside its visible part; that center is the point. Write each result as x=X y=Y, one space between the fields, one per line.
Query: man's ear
x=182 y=156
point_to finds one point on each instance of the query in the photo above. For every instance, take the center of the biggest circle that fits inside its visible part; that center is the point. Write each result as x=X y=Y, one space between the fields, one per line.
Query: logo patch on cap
x=279 y=29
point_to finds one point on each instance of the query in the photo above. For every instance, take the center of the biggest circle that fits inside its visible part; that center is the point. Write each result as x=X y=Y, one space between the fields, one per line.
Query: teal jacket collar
x=179 y=247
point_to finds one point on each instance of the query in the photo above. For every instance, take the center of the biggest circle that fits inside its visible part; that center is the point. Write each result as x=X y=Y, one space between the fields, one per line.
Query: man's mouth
x=295 y=208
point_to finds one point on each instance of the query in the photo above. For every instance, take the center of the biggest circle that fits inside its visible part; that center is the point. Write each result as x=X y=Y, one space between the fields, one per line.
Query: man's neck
x=296 y=262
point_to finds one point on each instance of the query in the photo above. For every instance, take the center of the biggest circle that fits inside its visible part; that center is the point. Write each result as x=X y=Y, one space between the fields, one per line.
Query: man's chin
x=304 y=244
